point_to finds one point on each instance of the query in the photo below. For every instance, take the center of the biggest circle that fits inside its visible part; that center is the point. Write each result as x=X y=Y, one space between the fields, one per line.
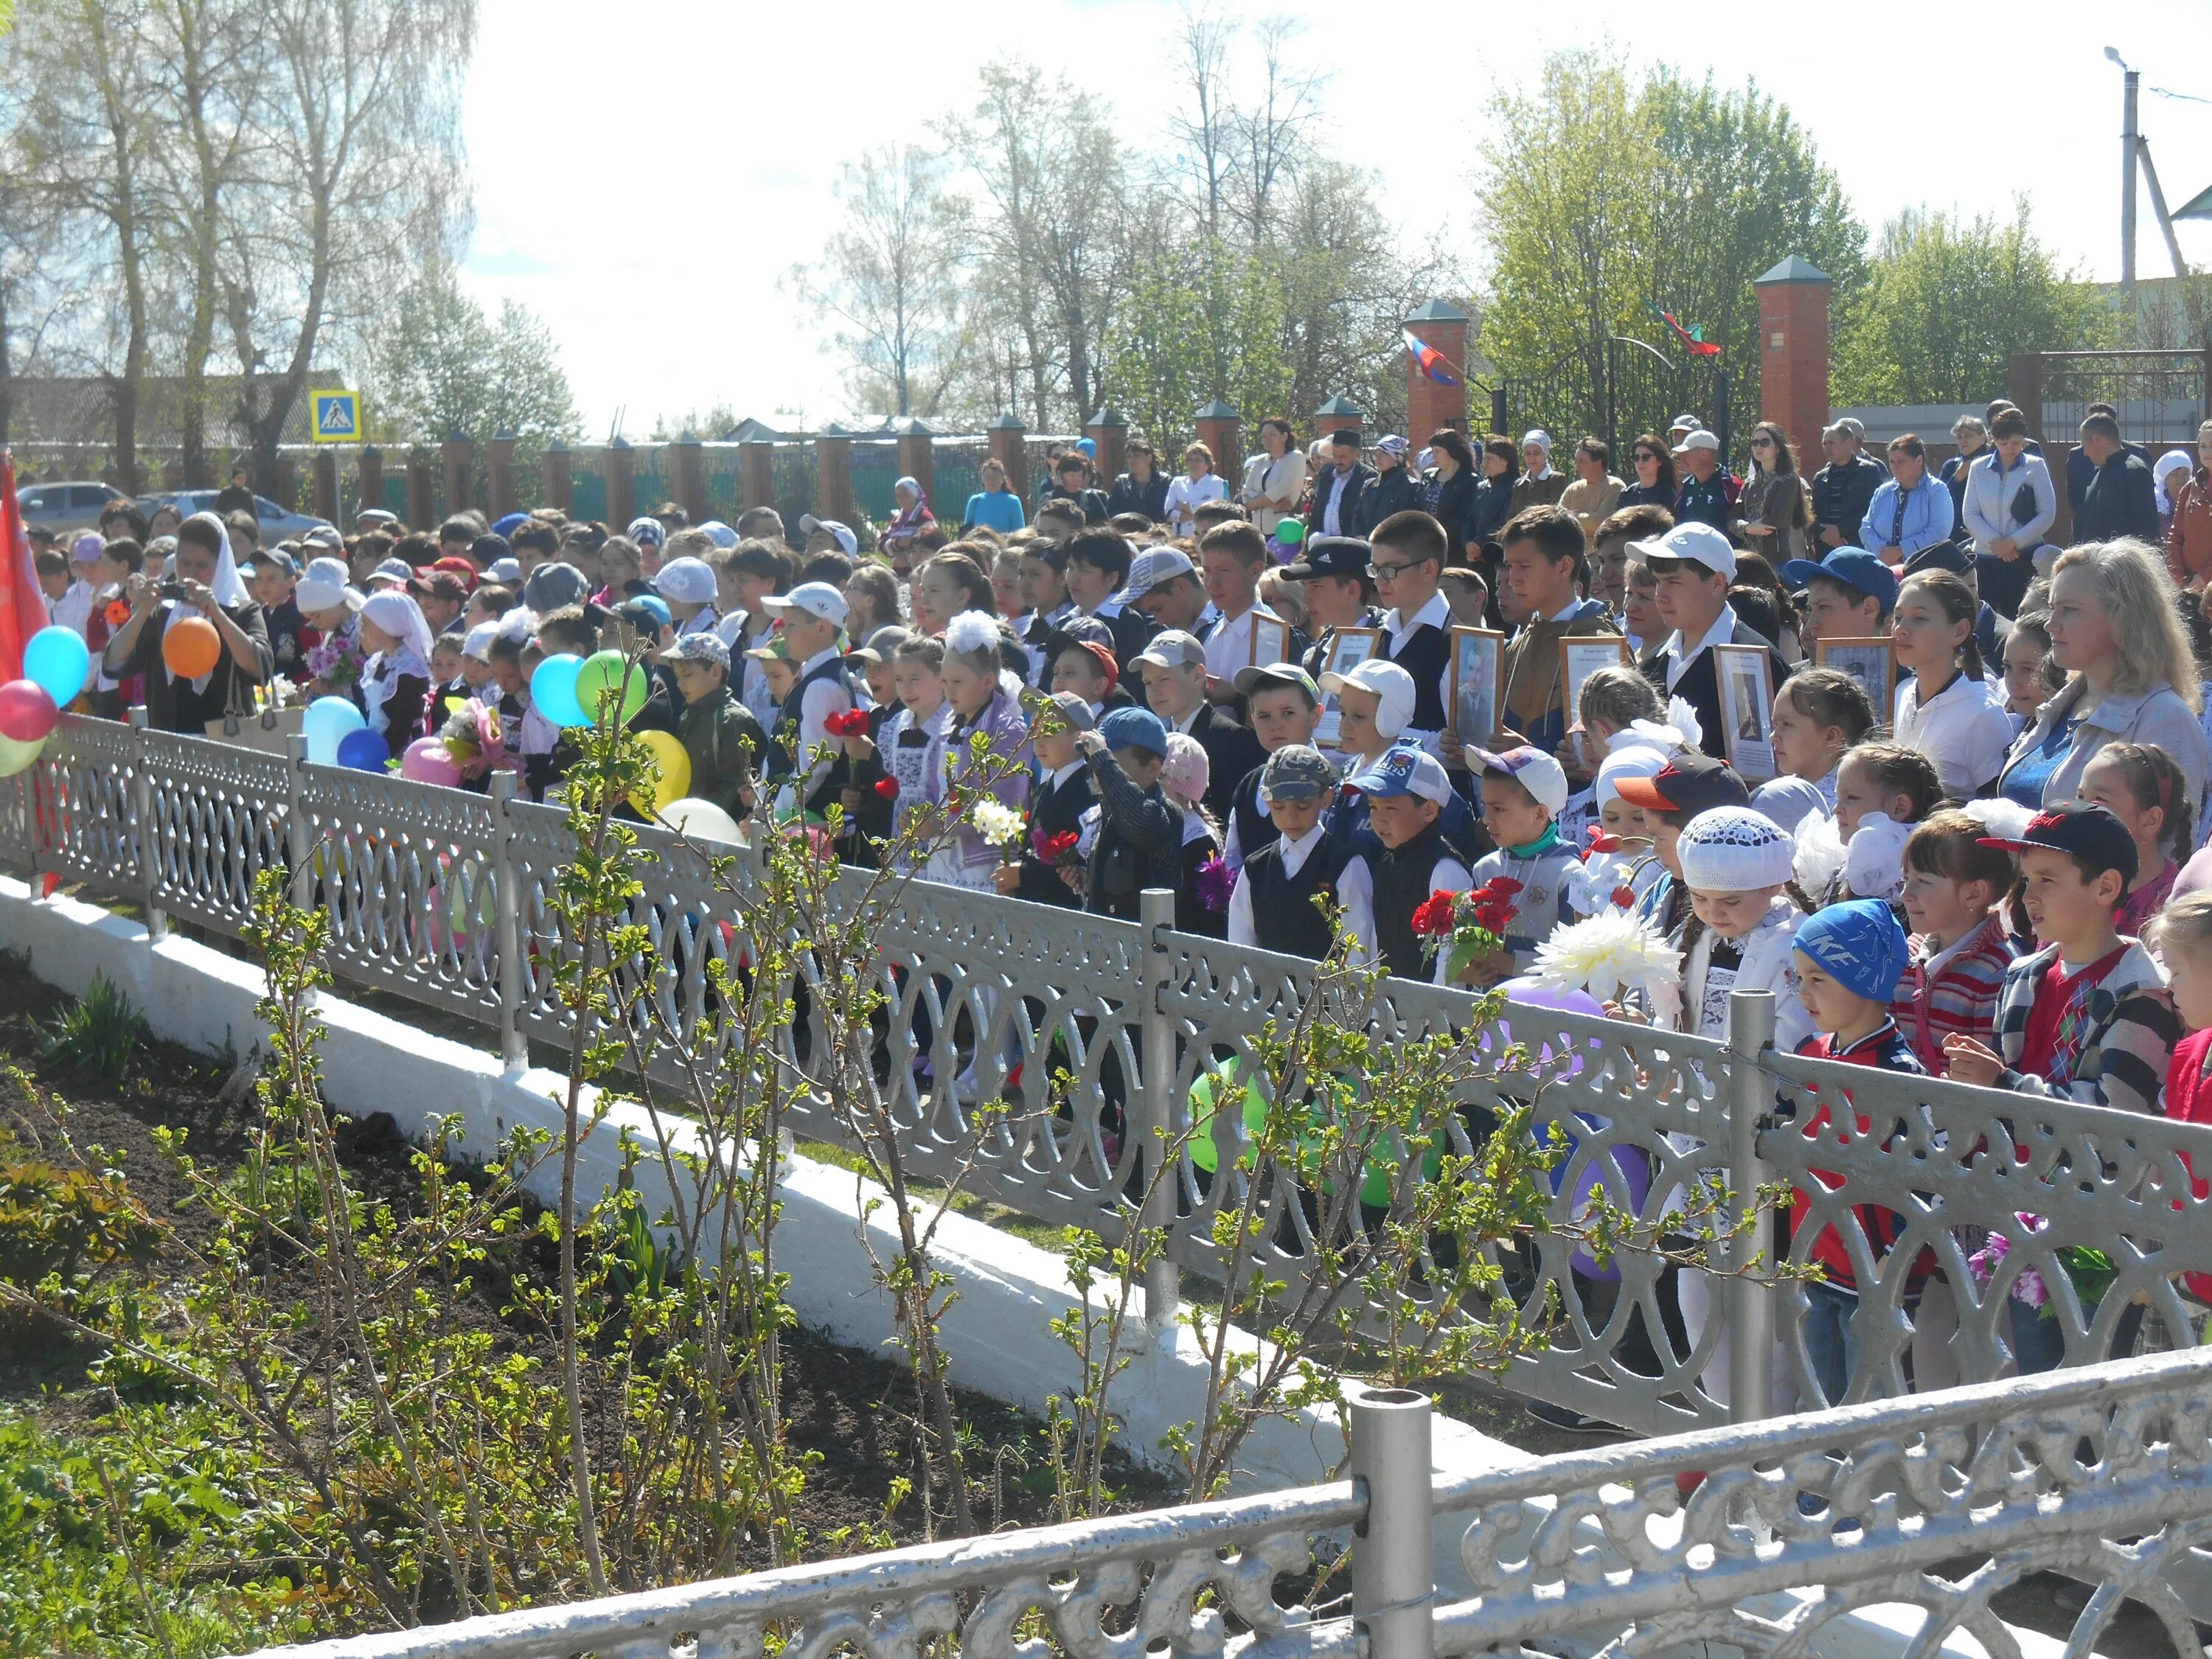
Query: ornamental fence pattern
x=442 y=896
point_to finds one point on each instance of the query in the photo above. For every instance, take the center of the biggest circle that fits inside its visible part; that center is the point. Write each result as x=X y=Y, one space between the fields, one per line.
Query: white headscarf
x=229 y=588
x=2174 y=461
x=397 y=614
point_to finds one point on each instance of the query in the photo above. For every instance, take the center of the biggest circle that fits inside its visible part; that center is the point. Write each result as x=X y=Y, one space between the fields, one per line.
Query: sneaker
x=1567 y=1422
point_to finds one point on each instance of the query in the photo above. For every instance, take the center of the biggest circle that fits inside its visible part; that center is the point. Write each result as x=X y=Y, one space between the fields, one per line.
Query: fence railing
x=441 y=895
x=1760 y=1538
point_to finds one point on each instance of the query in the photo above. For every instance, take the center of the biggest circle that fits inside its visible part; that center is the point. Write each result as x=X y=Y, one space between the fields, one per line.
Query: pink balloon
x=427 y=761
x=26 y=711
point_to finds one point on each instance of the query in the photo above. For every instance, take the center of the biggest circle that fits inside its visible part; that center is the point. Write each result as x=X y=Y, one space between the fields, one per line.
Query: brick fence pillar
x=1221 y=432
x=1793 y=350
x=461 y=456
x=369 y=465
x=756 y=474
x=833 y=476
x=622 y=484
x=421 y=491
x=1338 y=415
x=690 y=477
x=1110 y=433
x=326 y=484
x=502 y=463
x=1008 y=441
x=917 y=455
x=284 y=488
x=2024 y=386
x=560 y=488
x=1430 y=407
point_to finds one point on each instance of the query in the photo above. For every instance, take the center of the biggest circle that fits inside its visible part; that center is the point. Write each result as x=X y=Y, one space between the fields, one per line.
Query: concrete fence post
x=1160 y=1114
x=299 y=847
x=369 y=467
x=1750 y=1305
x=148 y=833
x=507 y=896
x=559 y=489
x=1394 y=1553
x=501 y=453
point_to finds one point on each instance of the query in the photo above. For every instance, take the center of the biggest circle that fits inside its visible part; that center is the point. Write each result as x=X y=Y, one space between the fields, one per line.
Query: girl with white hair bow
x=395 y=682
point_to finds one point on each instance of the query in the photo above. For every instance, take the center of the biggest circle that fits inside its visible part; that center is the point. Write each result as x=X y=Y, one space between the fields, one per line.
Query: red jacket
x=2189 y=1100
x=1887 y=1050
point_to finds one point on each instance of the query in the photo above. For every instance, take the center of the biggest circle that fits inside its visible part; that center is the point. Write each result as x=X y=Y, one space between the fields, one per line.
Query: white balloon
x=702 y=820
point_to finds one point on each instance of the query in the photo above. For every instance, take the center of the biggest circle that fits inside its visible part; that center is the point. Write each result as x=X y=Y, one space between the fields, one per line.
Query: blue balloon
x=364 y=751
x=56 y=659
x=327 y=723
x=553 y=690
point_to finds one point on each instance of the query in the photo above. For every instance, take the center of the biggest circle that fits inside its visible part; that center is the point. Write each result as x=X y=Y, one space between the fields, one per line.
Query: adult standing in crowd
x=1540 y=484
x=1448 y=496
x=1593 y=494
x=1493 y=501
x=1275 y=478
x=2189 y=537
x=1394 y=489
x=1772 y=512
x=1198 y=485
x=1070 y=482
x=1143 y=488
x=1338 y=490
x=1652 y=462
x=2080 y=468
x=2118 y=498
x=1709 y=490
x=2116 y=631
x=1969 y=435
x=1842 y=489
x=1909 y=510
x=2010 y=506
x=994 y=506
x=208 y=587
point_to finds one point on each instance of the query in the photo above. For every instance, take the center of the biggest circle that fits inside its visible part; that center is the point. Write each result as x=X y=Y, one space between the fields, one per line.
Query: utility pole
x=2129 y=138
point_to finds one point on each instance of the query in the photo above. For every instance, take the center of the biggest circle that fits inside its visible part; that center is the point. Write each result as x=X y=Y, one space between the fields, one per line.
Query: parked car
x=277 y=523
x=64 y=508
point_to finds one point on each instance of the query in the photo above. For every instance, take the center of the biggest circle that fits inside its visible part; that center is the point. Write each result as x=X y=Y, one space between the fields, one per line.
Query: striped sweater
x=1953 y=990
x=2132 y=1032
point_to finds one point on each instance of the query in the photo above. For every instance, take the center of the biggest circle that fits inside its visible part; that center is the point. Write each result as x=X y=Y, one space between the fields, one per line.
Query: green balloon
x=1290 y=532
x=601 y=680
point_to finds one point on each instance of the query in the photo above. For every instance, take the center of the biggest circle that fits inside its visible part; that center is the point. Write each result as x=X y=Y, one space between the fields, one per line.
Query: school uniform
x=1421 y=645
x=1404 y=878
x=801 y=734
x=1232 y=750
x=1138 y=844
x=1272 y=906
x=1060 y=805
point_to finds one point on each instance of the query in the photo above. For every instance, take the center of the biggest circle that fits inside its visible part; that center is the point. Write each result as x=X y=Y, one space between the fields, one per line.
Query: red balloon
x=26 y=711
x=191 y=648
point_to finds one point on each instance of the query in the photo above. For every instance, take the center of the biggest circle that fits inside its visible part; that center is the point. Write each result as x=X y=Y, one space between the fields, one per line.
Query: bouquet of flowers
x=1474 y=923
x=1215 y=885
x=847 y=723
x=336 y=661
x=1604 y=880
x=1000 y=825
x=473 y=737
x=2090 y=1271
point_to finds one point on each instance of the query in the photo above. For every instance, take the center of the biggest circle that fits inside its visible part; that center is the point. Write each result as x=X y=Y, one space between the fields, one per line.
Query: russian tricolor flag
x=1430 y=362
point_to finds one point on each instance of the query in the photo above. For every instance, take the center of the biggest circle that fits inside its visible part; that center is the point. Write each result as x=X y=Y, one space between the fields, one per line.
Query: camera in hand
x=171 y=590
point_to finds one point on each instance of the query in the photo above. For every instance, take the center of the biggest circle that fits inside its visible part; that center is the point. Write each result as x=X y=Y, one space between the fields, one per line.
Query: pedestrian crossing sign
x=337 y=417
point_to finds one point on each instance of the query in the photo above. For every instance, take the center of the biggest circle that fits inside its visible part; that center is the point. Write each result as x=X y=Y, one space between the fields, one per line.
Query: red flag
x=23 y=606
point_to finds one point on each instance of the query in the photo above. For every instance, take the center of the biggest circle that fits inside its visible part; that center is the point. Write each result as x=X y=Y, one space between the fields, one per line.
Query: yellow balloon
x=14 y=757
x=671 y=778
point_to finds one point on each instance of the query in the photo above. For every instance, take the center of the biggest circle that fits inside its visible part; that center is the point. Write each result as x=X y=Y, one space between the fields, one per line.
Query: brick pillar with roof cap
x=621 y=485
x=757 y=473
x=559 y=482
x=1793 y=354
x=369 y=466
x=326 y=484
x=1008 y=442
x=1339 y=414
x=691 y=470
x=1221 y=431
x=832 y=474
x=1429 y=406
x=917 y=459
x=421 y=491
x=461 y=456
x=1110 y=433
x=500 y=462
x=284 y=488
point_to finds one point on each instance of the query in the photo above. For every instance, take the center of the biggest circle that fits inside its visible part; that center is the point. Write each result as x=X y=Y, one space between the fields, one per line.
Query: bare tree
x=1205 y=122
x=1270 y=131
x=890 y=276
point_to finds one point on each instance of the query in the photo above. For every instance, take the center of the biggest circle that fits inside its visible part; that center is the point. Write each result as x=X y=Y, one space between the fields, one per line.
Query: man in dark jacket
x=1842 y=489
x=724 y=742
x=2080 y=469
x=1070 y=483
x=1336 y=493
x=2119 y=499
x=1393 y=490
x=1143 y=488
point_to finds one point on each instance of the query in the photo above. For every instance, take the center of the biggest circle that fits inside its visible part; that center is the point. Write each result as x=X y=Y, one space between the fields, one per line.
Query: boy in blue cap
x=1139 y=840
x=1848 y=959
x=1406 y=792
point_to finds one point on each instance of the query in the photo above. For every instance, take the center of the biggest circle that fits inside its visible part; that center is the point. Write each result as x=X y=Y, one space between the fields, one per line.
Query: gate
x=1627 y=388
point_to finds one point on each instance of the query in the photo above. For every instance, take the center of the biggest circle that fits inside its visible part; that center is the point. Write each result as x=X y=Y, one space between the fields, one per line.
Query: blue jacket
x=1928 y=518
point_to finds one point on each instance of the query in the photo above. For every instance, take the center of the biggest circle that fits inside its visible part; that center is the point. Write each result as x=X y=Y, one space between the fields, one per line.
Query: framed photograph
x=1872 y=661
x=1476 y=652
x=1580 y=659
x=1350 y=648
x=1271 y=639
x=1747 y=687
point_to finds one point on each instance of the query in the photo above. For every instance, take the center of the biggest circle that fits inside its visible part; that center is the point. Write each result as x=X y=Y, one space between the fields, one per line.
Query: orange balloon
x=191 y=648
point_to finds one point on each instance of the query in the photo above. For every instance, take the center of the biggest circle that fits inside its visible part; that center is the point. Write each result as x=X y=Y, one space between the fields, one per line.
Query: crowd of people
x=1989 y=866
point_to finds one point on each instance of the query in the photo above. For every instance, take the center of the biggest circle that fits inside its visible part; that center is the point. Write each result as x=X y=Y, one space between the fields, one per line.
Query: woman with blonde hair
x=2130 y=678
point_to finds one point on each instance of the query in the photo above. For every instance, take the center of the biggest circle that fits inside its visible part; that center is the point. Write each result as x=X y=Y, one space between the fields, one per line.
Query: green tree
x=1947 y=303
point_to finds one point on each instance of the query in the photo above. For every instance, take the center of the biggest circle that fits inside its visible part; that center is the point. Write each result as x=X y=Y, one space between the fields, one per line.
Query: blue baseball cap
x=1859 y=944
x=1405 y=772
x=1135 y=728
x=1855 y=568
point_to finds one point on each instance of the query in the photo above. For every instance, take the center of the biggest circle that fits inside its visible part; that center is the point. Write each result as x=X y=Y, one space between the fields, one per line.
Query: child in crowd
x=118 y=562
x=2140 y=785
x=1374 y=701
x=986 y=744
x=1089 y=669
x=1617 y=708
x=801 y=755
x=1231 y=557
x=1948 y=710
x=2183 y=935
x=1819 y=714
x=1639 y=612
x=1058 y=807
x=1745 y=907
x=55 y=583
x=723 y=741
x=1139 y=841
x=488 y=603
x=1405 y=792
x=2030 y=676
x=446 y=651
x=1274 y=906
x=2087 y=1016
x=1467 y=595
x=1848 y=957
x=1685 y=786
x=1619 y=865
x=1283 y=705
x=1098 y=567
x=1202 y=898
x=477 y=676
x=1882 y=789
x=395 y=682
x=274 y=577
x=1954 y=884
x=908 y=752
x=687 y=588
x=1522 y=791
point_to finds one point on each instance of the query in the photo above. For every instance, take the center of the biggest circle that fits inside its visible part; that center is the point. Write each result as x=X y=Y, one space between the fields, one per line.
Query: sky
x=651 y=217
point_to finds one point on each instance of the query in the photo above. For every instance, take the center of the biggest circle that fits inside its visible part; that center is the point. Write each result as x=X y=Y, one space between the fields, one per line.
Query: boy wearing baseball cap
x=1284 y=706
x=1693 y=564
x=1524 y=791
x=1405 y=793
x=1174 y=670
x=724 y=742
x=800 y=749
x=1059 y=805
x=1139 y=837
x=1686 y=785
x=2087 y=1016
x=1274 y=904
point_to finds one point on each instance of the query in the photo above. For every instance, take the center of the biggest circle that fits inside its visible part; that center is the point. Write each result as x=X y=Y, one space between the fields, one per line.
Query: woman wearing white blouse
x=1274 y=479
x=1198 y=485
x=1950 y=710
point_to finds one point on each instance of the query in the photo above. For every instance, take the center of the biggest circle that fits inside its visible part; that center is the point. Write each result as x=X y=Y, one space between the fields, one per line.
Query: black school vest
x=1402 y=884
x=781 y=762
x=1284 y=915
x=1255 y=829
x=1425 y=653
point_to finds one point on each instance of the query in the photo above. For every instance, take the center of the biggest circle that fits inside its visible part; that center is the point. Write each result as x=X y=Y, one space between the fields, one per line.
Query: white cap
x=1700 y=439
x=478 y=643
x=1151 y=568
x=1734 y=849
x=686 y=580
x=507 y=573
x=323 y=584
x=1700 y=542
x=1395 y=685
x=814 y=598
x=1637 y=761
x=843 y=533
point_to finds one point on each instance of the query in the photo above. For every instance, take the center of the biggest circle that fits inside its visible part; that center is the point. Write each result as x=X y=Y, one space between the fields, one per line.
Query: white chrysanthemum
x=1606 y=955
x=996 y=821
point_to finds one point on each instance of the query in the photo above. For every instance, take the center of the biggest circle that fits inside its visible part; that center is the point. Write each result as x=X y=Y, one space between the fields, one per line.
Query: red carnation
x=1053 y=848
x=847 y=723
x=887 y=788
x=1433 y=916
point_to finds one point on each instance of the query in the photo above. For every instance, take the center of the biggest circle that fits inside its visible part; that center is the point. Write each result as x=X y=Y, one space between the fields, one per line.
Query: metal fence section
x=2161 y=395
x=445 y=896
